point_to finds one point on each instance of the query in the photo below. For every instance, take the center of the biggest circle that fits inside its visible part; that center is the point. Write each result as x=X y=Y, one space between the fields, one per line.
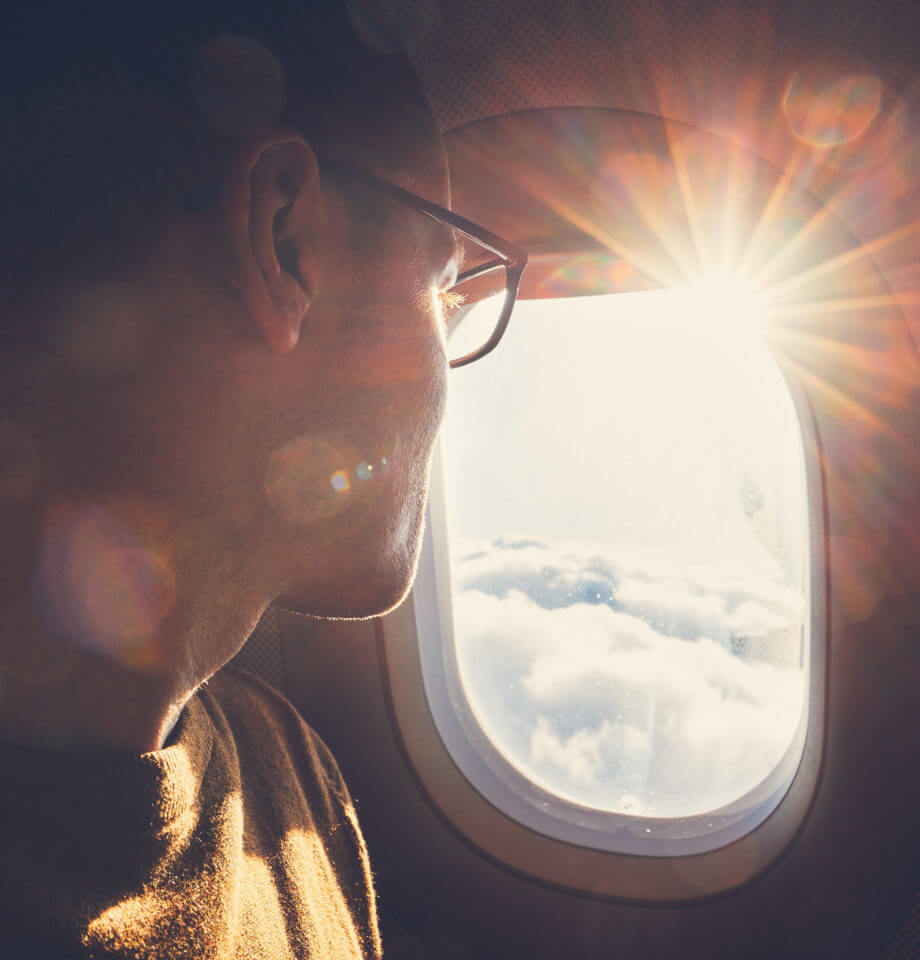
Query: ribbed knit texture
x=239 y=839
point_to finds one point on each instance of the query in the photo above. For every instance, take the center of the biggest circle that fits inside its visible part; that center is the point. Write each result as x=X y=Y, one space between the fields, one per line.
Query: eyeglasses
x=478 y=306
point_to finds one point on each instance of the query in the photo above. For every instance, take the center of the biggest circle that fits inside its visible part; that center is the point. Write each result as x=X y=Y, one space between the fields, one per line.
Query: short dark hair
x=115 y=112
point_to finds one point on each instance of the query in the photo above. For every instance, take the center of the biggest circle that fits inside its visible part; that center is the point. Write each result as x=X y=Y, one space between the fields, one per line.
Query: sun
x=725 y=305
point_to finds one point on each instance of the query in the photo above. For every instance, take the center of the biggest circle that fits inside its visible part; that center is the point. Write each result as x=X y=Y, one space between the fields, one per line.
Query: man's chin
x=369 y=570
x=372 y=594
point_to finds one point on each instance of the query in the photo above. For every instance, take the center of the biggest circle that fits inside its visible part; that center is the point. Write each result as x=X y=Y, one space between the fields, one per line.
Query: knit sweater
x=239 y=839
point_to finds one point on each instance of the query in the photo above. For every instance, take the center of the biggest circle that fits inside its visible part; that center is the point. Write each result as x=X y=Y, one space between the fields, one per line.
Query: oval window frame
x=682 y=869
x=530 y=831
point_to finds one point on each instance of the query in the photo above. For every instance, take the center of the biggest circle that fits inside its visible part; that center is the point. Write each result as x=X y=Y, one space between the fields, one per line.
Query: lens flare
x=102 y=586
x=825 y=111
x=304 y=476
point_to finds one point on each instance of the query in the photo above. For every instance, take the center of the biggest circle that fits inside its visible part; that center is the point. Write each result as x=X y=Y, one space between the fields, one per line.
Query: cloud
x=630 y=683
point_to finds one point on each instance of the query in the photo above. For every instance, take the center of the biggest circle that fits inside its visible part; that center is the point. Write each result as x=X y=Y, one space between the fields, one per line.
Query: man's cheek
x=428 y=415
x=309 y=478
x=394 y=361
x=434 y=386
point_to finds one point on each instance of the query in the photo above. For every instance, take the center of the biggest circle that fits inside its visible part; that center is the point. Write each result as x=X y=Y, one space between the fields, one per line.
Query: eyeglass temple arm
x=491 y=241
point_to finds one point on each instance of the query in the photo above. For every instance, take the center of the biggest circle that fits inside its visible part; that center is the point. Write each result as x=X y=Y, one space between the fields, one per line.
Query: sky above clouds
x=626 y=510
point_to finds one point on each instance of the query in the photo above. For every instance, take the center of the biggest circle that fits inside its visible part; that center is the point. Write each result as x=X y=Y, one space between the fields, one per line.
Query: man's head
x=223 y=363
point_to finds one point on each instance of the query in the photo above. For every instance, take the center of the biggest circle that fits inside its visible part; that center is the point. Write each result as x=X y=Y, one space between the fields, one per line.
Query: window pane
x=627 y=512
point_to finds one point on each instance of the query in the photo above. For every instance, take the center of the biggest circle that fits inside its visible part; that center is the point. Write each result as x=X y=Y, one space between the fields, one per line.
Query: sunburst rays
x=805 y=232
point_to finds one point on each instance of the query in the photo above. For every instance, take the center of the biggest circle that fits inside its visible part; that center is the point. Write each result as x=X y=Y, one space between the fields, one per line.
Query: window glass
x=627 y=516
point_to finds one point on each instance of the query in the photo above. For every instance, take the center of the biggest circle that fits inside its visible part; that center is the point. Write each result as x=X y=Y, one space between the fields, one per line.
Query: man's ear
x=273 y=212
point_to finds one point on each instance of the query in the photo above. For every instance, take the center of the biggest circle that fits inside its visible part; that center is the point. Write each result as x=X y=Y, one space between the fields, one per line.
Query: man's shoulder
x=292 y=794
x=268 y=735
x=237 y=692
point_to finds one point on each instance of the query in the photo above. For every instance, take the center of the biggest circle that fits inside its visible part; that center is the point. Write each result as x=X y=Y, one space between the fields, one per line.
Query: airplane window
x=626 y=513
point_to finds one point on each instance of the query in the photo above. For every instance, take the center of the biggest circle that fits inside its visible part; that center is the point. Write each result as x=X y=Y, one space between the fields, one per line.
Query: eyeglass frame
x=508 y=255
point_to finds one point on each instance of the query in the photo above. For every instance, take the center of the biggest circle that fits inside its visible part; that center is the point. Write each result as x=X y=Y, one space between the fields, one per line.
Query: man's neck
x=58 y=696
x=70 y=679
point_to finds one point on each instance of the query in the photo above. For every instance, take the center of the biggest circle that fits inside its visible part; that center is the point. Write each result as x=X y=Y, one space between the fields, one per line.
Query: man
x=222 y=375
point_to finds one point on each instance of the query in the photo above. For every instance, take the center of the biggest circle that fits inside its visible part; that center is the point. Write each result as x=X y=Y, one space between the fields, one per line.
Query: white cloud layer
x=626 y=682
